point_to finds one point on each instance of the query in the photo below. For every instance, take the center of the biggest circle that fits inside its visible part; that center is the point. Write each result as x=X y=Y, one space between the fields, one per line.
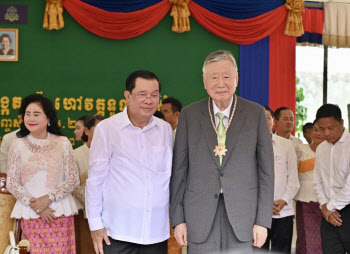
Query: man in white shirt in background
x=332 y=180
x=6 y=143
x=286 y=187
x=284 y=120
x=171 y=108
x=127 y=191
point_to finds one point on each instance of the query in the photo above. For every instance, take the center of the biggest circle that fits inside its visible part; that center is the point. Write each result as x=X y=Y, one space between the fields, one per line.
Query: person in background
x=79 y=128
x=286 y=186
x=171 y=108
x=159 y=114
x=308 y=214
x=284 y=120
x=6 y=143
x=81 y=156
x=332 y=180
x=307 y=132
x=41 y=175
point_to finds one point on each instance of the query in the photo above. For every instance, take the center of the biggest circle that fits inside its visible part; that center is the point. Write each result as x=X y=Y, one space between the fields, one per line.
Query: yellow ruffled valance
x=294 y=21
x=53 y=18
x=181 y=14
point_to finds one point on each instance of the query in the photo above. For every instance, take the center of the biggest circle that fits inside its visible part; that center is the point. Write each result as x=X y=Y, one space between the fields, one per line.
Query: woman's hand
x=47 y=215
x=40 y=204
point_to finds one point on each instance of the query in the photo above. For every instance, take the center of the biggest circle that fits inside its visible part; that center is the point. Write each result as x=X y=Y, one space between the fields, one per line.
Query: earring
x=48 y=124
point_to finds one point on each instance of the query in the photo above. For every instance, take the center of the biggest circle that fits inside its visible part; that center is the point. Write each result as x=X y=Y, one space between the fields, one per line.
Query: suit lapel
x=209 y=132
x=233 y=131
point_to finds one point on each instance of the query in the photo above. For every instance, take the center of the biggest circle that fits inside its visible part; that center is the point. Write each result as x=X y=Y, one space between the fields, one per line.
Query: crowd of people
x=216 y=169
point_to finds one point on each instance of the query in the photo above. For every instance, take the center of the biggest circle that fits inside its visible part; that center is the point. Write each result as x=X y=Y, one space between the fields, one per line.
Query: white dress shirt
x=81 y=157
x=332 y=173
x=6 y=143
x=295 y=141
x=226 y=112
x=286 y=174
x=127 y=191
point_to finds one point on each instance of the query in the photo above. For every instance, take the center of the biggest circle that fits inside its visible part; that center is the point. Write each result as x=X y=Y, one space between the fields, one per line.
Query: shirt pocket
x=160 y=158
x=279 y=165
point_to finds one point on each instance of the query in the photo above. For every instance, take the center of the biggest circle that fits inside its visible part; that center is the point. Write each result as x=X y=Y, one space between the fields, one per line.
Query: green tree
x=301 y=111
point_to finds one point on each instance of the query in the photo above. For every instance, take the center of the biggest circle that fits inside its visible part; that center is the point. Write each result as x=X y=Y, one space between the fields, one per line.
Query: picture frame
x=9 y=44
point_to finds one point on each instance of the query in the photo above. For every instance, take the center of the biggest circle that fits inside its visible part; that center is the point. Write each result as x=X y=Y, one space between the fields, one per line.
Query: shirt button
x=221 y=174
x=216 y=196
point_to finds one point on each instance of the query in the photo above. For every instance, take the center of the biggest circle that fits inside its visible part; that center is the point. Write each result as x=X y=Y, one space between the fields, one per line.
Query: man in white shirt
x=127 y=191
x=171 y=108
x=284 y=120
x=332 y=180
x=286 y=187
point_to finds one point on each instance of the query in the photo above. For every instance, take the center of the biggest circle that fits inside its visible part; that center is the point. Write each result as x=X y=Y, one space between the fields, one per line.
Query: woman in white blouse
x=308 y=213
x=41 y=175
x=81 y=155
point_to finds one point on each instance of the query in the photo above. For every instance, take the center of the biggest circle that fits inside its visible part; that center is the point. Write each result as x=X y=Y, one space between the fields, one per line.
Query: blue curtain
x=254 y=71
x=310 y=37
x=239 y=9
x=121 y=5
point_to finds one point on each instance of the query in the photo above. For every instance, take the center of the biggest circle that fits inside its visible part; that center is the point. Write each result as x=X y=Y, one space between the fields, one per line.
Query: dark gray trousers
x=221 y=238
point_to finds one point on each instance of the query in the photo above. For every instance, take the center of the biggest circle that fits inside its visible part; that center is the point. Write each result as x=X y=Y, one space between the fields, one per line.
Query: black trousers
x=280 y=235
x=120 y=247
x=336 y=240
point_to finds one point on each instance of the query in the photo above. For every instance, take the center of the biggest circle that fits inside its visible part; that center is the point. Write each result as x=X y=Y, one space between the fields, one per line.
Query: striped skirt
x=50 y=238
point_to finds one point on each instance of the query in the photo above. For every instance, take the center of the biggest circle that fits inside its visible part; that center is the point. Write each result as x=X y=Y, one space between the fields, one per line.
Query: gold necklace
x=220 y=150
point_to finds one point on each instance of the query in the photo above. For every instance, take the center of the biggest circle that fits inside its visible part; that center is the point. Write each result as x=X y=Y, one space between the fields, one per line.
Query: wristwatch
x=51 y=197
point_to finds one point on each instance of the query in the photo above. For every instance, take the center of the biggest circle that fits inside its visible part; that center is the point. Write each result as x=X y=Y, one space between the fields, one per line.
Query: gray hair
x=219 y=55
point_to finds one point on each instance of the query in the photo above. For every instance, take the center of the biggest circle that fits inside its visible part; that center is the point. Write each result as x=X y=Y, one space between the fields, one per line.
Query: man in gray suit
x=223 y=175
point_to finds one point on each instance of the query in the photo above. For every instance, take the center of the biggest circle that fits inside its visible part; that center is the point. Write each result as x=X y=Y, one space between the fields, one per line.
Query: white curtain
x=336 y=29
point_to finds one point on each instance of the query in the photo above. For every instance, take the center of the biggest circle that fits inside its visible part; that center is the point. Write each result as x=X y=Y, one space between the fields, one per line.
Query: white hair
x=219 y=55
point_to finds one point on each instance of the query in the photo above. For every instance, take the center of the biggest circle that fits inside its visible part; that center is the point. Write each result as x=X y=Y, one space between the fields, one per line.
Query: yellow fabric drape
x=181 y=14
x=53 y=18
x=294 y=21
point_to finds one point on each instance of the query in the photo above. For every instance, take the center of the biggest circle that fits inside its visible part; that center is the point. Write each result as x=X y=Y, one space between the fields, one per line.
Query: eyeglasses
x=143 y=96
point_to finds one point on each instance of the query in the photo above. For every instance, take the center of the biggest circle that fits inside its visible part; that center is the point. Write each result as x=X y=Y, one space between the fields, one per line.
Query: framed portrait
x=9 y=44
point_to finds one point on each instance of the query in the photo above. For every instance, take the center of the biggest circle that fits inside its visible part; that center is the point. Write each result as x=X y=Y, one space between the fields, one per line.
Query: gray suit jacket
x=246 y=174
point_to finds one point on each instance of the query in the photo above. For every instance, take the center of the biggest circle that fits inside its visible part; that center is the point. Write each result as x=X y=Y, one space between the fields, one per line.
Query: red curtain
x=245 y=31
x=282 y=70
x=116 y=25
x=313 y=20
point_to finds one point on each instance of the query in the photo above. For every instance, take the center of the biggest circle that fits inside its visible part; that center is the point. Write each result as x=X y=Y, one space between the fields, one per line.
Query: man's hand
x=47 y=215
x=97 y=238
x=325 y=212
x=259 y=236
x=180 y=234
x=278 y=206
x=40 y=204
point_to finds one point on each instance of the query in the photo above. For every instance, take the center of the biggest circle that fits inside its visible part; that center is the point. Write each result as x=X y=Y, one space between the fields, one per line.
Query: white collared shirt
x=286 y=174
x=127 y=191
x=332 y=173
x=295 y=141
x=226 y=112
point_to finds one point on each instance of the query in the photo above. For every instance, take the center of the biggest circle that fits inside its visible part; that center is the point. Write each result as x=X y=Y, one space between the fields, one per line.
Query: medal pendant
x=220 y=150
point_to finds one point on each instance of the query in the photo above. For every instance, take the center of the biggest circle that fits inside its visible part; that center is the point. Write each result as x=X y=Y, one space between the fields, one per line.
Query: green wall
x=73 y=62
